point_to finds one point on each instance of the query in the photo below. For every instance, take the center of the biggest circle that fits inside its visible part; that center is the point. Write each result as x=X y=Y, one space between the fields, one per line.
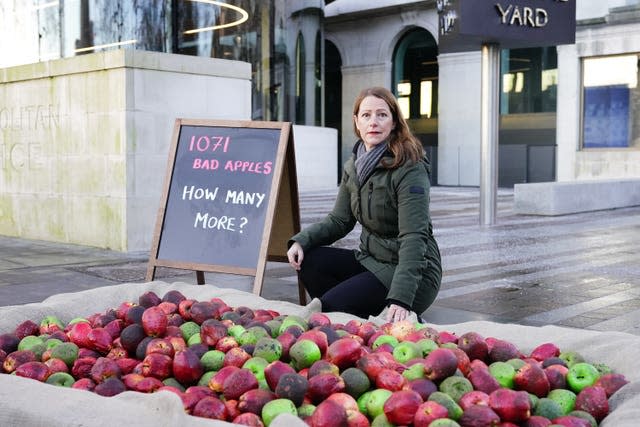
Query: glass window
x=529 y=80
x=415 y=71
x=245 y=30
x=611 y=102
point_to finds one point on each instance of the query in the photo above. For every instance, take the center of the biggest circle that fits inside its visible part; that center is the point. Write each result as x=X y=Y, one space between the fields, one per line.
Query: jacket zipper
x=369 y=199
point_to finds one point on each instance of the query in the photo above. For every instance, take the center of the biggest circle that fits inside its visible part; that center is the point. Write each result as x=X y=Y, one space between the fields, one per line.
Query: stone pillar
x=459 y=119
x=84 y=141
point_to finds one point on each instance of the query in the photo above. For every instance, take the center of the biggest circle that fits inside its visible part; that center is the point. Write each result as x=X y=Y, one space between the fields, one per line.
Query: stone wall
x=84 y=140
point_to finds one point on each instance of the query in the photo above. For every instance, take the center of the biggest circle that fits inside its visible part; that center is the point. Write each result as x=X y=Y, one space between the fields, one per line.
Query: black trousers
x=336 y=277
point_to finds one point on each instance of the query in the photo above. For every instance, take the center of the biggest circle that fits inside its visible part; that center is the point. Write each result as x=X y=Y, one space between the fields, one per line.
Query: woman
x=385 y=187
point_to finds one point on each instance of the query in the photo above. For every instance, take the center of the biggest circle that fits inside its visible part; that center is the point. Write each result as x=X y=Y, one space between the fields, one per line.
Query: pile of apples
x=247 y=366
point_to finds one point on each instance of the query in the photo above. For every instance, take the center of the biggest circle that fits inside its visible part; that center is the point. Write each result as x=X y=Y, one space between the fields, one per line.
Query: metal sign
x=465 y=25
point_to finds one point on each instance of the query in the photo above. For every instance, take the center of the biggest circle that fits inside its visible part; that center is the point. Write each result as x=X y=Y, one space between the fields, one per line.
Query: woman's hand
x=295 y=255
x=396 y=313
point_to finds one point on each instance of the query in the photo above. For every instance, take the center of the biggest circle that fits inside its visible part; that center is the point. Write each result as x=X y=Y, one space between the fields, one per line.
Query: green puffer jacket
x=397 y=243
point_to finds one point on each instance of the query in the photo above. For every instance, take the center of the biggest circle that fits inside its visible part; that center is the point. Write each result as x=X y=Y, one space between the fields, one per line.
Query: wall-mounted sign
x=465 y=25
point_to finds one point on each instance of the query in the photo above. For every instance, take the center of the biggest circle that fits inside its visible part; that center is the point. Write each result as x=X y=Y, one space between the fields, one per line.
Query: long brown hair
x=402 y=142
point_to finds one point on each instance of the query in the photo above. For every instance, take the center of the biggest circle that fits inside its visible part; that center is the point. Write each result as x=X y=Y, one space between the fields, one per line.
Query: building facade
x=309 y=59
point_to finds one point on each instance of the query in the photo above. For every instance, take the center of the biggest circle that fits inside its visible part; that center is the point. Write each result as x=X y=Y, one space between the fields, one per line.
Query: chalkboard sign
x=225 y=180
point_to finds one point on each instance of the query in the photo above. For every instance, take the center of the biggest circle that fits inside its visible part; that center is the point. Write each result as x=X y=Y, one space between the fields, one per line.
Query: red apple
x=323 y=385
x=100 y=340
x=344 y=353
x=154 y=321
x=35 y=370
x=571 y=421
x=440 y=363
x=474 y=345
x=211 y=331
x=236 y=356
x=532 y=378
x=501 y=350
x=427 y=412
x=216 y=382
x=157 y=365
x=239 y=382
x=401 y=406
x=329 y=413
x=545 y=351
x=184 y=308
x=611 y=383
x=390 y=380
x=186 y=367
x=253 y=400
x=479 y=415
x=475 y=397
x=78 y=334
x=102 y=369
x=82 y=367
x=16 y=358
x=510 y=405
x=593 y=399
x=274 y=370
x=210 y=407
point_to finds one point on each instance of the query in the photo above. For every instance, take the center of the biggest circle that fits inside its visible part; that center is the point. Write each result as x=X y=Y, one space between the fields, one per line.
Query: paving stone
x=578 y=270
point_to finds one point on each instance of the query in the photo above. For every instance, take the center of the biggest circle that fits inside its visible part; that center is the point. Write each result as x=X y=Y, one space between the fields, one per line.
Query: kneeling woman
x=385 y=187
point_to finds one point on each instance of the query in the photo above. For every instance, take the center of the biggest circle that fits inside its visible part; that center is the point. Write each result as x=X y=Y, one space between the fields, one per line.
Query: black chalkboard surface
x=224 y=181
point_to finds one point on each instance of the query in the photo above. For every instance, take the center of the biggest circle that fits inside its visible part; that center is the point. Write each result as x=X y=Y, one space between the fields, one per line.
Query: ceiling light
x=244 y=16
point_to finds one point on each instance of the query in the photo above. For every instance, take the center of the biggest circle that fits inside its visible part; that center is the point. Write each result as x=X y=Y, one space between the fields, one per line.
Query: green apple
x=565 y=398
x=194 y=339
x=304 y=353
x=252 y=335
x=276 y=407
x=455 y=386
x=362 y=402
x=34 y=344
x=384 y=339
x=274 y=326
x=172 y=382
x=381 y=421
x=52 y=342
x=77 y=320
x=268 y=348
x=581 y=375
x=236 y=330
x=454 y=410
x=443 y=422
x=293 y=320
x=256 y=365
x=503 y=372
x=66 y=351
x=571 y=357
x=306 y=410
x=427 y=345
x=585 y=416
x=548 y=408
x=189 y=329
x=516 y=363
x=29 y=341
x=50 y=324
x=62 y=379
x=406 y=350
x=212 y=360
x=375 y=401
x=414 y=372
x=204 y=379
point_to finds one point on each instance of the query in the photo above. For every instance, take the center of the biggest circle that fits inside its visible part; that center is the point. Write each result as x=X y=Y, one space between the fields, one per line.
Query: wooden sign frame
x=277 y=229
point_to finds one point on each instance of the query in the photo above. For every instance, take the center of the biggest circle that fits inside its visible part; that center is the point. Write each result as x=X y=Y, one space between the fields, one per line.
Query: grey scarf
x=366 y=161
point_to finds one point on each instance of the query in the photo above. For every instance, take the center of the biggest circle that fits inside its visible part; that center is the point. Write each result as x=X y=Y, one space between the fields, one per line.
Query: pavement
x=580 y=270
